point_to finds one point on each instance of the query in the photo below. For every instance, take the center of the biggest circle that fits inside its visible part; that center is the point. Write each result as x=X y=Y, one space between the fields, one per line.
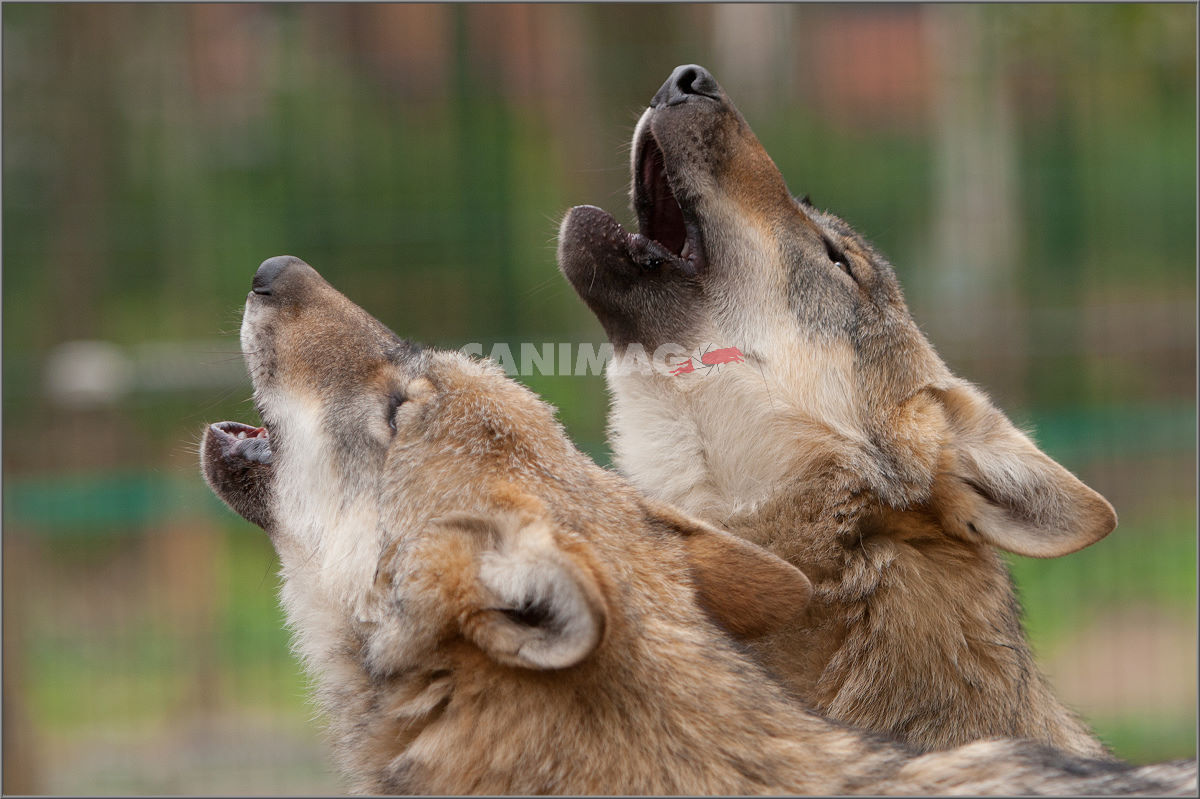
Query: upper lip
x=664 y=212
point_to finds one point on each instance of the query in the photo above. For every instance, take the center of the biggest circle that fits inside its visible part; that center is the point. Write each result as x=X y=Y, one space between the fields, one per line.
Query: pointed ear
x=994 y=485
x=540 y=607
x=746 y=589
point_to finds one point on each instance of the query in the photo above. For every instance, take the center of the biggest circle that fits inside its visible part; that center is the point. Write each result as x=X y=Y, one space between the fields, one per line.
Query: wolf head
x=443 y=543
x=385 y=467
x=835 y=373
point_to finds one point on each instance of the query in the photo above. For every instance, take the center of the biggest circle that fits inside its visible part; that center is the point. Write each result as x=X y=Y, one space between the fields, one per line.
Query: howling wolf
x=842 y=444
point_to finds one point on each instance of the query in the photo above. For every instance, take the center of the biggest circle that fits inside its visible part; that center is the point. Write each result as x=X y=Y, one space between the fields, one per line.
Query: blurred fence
x=1030 y=170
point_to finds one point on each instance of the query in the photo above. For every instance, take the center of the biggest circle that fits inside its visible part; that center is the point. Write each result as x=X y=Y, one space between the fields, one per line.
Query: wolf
x=485 y=610
x=843 y=443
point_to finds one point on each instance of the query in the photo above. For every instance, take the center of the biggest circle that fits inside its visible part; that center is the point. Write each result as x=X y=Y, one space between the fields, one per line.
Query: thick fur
x=486 y=611
x=842 y=444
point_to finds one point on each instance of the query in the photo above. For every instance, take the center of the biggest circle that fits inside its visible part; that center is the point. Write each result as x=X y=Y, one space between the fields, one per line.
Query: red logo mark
x=684 y=367
x=723 y=355
x=710 y=359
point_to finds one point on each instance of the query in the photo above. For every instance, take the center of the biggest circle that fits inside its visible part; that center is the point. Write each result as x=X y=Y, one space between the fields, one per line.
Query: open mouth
x=239 y=441
x=235 y=459
x=634 y=281
x=661 y=216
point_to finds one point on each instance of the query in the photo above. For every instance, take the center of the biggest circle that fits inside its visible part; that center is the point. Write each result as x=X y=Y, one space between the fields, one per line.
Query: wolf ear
x=995 y=485
x=746 y=589
x=540 y=606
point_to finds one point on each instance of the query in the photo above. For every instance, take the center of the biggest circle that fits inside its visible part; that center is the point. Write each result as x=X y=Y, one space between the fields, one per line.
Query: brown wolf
x=485 y=610
x=842 y=444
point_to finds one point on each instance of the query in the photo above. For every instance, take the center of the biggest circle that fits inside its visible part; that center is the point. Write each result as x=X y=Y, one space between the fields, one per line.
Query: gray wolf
x=843 y=443
x=485 y=610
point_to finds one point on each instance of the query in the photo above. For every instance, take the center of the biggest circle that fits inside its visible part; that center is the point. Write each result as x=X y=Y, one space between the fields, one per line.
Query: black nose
x=270 y=270
x=687 y=81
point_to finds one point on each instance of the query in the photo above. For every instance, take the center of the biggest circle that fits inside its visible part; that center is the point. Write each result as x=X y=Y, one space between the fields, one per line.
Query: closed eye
x=394 y=403
x=838 y=258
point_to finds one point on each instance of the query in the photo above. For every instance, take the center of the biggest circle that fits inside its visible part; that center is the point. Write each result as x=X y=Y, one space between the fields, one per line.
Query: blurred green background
x=1030 y=170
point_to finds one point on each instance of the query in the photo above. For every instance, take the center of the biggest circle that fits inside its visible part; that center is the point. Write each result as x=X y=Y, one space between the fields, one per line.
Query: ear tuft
x=541 y=607
x=994 y=485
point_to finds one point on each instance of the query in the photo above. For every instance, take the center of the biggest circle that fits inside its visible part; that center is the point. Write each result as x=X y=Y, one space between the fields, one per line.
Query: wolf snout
x=687 y=81
x=271 y=273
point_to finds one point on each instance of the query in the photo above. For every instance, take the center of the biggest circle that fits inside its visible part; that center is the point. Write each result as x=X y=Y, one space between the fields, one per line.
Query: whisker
x=541 y=286
x=266 y=571
x=222 y=397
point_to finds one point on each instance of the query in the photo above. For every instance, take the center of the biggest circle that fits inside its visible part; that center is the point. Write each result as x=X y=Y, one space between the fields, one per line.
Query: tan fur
x=842 y=444
x=503 y=616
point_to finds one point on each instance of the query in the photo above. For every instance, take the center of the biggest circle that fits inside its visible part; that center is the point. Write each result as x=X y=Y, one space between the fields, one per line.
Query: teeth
x=686 y=252
x=241 y=434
